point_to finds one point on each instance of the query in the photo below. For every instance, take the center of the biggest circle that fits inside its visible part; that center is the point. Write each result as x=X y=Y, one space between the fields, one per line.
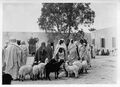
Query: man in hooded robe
x=59 y=48
x=88 y=54
x=81 y=48
x=72 y=52
x=49 y=51
x=41 y=53
x=25 y=52
x=85 y=53
x=13 y=58
x=92 y=51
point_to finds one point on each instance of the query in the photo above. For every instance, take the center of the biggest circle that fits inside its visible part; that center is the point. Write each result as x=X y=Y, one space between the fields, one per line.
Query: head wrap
x=60 y=44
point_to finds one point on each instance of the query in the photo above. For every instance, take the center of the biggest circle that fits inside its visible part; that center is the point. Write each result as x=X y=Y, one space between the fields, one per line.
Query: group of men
x=70 y=51
x=15 y=55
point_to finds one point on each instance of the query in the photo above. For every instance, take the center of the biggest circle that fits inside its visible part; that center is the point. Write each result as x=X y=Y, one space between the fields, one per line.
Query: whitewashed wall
x=106 y=33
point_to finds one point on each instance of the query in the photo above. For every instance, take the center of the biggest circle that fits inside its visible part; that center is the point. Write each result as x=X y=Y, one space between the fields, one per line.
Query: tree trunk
x=69 y=32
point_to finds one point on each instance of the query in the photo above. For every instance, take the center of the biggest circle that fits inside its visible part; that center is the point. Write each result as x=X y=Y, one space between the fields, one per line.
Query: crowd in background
x=15 y=53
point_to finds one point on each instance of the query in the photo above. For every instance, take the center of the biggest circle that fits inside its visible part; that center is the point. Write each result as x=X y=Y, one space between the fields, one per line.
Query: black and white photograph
x=54 y=42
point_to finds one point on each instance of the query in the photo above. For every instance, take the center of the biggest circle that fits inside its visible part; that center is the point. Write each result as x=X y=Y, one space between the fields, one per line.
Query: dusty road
x=103 y=71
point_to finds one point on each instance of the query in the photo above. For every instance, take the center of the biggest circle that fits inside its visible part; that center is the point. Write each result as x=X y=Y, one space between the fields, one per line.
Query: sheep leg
x=38 y=76
x=46 y=76
x=55 y=75
x=76 y=74
x=86 y=71
x=34 y=77
x=19 y=77
x=31 y=76
x=41 y=76
x=81 y=70
x=68 y=74
x=65 y=70
x=49 y=76
x=44 y=73
x=22 y=77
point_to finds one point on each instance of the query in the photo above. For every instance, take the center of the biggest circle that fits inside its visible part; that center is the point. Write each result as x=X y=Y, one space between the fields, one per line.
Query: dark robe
x=41 y=54
x=49 y=52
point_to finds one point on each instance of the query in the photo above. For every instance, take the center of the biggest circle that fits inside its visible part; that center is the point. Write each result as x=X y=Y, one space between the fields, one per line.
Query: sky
x=22 y=17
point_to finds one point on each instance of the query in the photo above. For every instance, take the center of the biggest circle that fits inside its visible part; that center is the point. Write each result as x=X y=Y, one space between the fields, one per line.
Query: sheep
x=35 y=72
x=53 y=66
x=42 y=67
x=71 y=69
x=79 y=64
x=84 y=66
x=39 y=69
x=25 y=70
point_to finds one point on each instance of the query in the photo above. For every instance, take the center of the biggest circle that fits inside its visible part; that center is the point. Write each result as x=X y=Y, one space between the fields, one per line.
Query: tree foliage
x=64 y=18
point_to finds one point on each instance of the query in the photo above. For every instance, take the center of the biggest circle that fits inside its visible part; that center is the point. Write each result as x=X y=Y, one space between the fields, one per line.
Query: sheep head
x=46 y=60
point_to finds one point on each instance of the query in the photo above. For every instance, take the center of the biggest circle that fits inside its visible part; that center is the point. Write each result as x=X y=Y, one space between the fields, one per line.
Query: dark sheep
x=53 y=66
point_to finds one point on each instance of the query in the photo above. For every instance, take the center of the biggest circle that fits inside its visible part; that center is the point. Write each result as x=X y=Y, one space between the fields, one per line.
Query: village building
x=105 y=39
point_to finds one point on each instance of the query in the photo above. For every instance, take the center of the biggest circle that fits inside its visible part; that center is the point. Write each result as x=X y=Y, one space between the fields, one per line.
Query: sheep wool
x=72 y=69
x=35 y=70
x=84 y=65
x=78 y=63
x=24 y=70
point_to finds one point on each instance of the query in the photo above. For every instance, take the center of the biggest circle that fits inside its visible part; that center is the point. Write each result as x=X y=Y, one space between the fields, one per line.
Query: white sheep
x=39 y=69
x=25 y=70
x=35 y=71
x=72 y=69
x=84 y=66
x=78 y=63
x=62 y=74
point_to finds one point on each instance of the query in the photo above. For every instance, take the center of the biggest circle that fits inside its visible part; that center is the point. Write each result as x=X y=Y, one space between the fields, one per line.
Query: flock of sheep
x=43 y=70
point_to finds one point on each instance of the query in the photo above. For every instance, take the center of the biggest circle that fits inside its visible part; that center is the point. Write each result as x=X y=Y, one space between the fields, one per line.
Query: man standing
x=49 y=51
x=13 y=58
x=3 y=54
x=25 y=52
x=41 y=53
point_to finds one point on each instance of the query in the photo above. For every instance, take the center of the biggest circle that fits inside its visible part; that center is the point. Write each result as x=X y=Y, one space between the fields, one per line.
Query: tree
x=78 y=35
x=64 y=18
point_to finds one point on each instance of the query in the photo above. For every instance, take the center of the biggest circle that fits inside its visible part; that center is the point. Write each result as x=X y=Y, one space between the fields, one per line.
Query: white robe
x=72 y=52
x=13 y=60
x=25 y=53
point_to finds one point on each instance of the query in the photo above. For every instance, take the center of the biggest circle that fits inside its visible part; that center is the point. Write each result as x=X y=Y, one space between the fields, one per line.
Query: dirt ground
x=103 y=71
